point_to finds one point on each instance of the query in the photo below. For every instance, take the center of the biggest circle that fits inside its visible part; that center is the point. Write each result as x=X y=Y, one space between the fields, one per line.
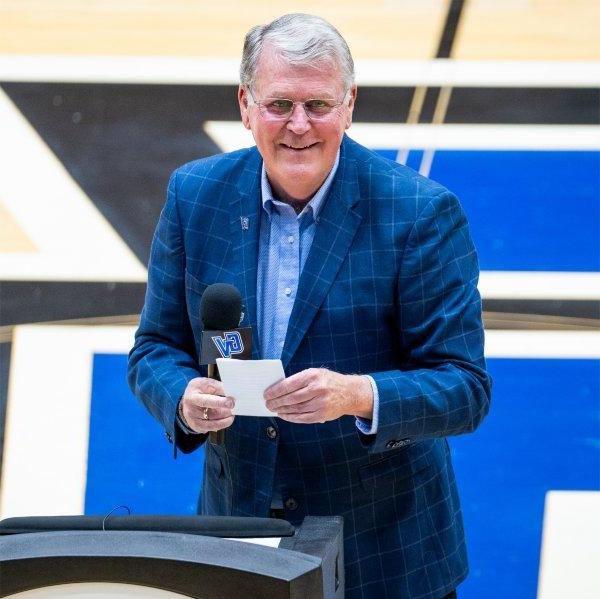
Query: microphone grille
x=221 y=307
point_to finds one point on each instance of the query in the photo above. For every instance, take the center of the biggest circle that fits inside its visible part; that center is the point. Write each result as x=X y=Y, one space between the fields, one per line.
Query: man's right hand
x=204 y=407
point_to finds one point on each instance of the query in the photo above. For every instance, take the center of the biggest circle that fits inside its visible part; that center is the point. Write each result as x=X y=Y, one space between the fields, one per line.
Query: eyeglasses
x=316 y=109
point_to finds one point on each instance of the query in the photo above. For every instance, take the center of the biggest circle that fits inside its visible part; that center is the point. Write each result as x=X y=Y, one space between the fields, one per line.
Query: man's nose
x=298 y=122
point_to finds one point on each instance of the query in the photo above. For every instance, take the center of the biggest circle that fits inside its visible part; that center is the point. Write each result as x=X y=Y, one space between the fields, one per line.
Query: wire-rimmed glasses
x=316 y=109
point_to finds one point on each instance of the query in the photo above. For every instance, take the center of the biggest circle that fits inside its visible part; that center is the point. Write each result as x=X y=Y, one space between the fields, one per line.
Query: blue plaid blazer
x=388 y=289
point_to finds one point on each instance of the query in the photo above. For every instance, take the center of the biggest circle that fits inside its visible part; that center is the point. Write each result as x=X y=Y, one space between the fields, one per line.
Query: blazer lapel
x=336 y=227
x=245 y=229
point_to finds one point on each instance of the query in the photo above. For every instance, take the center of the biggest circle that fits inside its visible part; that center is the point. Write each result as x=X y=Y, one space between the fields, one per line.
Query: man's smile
x=298 y=147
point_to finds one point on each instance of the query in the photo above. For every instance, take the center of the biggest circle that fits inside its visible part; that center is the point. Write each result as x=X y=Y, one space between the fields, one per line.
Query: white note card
x=247 y=380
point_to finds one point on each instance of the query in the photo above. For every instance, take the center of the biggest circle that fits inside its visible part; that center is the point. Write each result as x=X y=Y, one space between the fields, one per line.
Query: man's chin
x=296 y=180
x=299 y=171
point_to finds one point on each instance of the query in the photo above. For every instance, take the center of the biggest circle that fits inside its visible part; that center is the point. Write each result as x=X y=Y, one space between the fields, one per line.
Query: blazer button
x=271 y=432
x=291 y=504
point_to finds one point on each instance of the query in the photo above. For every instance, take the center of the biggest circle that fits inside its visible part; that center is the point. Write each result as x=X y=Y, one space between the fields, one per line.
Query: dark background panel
x=121 y=142
x=43 y=301
x=382 y=104
x=430 y=103
x=553 y=309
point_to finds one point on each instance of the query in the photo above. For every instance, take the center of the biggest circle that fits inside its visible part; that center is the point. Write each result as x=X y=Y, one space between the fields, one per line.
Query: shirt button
x=291 y=239
x=281 y=343
x=271 y=432
x=291 y=504
x=287 y=291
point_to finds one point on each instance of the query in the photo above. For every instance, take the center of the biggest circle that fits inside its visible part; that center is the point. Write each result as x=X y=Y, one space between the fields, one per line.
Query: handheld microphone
x=221 y=307
x=221 y=312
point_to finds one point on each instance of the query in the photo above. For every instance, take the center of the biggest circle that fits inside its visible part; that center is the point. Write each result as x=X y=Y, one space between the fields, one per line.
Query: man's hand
x=319 y=395
x=204 y=407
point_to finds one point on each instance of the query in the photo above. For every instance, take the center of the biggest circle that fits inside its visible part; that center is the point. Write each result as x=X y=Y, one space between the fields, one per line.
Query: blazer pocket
x=391 y=469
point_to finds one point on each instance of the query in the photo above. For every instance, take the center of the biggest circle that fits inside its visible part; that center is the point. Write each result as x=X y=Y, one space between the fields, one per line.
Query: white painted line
x=570 y=559
x=477 y=137
x=231 y=135
x=47 y=419
x=539 y=285
x=582 y=345
x=119 y=69
x=392 y=73
x=478 y=73
x=74 y=240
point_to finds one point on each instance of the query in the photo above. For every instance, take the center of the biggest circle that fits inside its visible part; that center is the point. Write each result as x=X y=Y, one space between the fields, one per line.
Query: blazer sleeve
x=442 y=387
x=162 y=360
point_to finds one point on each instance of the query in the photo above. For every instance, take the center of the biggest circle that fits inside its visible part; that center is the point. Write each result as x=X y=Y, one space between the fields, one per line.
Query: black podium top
x=307 y=563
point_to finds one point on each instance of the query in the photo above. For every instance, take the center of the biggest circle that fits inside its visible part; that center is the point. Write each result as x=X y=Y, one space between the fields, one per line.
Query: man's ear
x=243 y=102
x=351 y=102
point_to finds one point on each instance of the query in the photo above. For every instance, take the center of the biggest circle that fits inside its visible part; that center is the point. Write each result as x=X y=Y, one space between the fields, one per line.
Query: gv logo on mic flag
x=229 y=344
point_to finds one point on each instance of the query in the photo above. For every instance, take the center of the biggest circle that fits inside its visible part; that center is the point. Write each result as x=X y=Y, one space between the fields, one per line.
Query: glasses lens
x=318 y=109
x=281 y=108
x=278 y=108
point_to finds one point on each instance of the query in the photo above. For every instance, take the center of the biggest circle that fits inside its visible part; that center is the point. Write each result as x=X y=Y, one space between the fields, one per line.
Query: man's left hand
x=319 y=395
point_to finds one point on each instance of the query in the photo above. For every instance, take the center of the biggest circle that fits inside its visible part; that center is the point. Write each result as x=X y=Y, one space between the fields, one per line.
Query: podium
x=195 y=556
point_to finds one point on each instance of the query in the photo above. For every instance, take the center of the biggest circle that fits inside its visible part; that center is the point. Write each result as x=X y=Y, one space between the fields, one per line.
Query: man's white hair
x=300 y=39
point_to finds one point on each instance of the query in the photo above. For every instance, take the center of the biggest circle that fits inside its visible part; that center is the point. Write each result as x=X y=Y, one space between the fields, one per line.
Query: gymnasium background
x=496 y=99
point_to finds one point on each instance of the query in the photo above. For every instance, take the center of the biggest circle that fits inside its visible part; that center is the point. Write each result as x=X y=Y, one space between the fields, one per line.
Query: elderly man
x=361 y=276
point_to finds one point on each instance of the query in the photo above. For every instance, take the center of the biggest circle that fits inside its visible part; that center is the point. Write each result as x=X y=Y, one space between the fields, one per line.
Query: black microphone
x=221 y=307
x=221 y=313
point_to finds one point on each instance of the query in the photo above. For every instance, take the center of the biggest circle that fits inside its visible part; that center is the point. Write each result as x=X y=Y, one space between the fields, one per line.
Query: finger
x=289 y=385
x=207 y=426
x=304 y=407
x=202 y=400
x=212 y=387
x=208 y=386
x=307 y=418
x=296 y=397
x=197 y=413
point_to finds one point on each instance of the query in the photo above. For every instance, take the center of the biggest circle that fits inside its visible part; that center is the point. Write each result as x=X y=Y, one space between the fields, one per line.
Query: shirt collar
x=316 y=202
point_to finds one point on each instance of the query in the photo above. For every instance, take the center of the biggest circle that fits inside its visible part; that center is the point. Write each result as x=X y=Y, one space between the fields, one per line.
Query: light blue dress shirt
x=284 y=243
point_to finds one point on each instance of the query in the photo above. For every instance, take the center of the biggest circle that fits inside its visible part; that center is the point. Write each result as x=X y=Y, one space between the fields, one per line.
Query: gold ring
x=205 y=414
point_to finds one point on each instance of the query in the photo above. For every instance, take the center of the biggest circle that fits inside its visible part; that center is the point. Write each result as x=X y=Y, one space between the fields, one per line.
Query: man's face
x=298 y=152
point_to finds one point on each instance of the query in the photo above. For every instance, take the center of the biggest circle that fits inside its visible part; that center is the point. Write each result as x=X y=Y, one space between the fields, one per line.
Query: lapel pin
x=245 y=223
